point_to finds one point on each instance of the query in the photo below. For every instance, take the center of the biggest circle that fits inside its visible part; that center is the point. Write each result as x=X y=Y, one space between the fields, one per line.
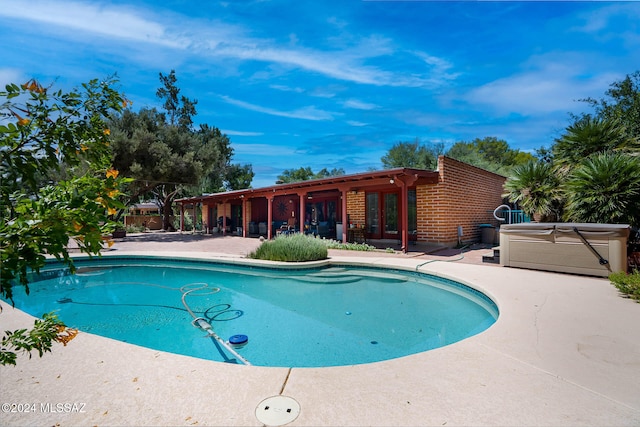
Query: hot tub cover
x=586 y=229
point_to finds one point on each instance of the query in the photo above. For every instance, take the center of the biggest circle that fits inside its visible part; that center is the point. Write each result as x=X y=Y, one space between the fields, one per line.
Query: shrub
x=188 y=221
x=535 y=186
x=291 y=248
x=605 y=188
x=134 y=228
x=628 y=284
x=334 y=244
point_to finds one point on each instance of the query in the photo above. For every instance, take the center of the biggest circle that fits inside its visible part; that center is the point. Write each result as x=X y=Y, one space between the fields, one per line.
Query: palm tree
x=535 y=186
x=605 y=188
x=591 y=135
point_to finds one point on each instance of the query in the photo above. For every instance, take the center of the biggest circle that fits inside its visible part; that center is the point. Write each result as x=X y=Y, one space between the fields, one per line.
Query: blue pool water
x=294 y=318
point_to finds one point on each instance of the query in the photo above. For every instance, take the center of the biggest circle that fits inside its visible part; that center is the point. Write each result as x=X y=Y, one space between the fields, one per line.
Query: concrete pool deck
x=565 y=351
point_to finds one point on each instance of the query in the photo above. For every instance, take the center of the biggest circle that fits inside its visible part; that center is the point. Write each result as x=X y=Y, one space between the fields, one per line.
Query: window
x=413 y=212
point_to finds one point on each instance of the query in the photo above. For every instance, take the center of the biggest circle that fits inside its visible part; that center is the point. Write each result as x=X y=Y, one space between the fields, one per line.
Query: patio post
x=301 y=217
x=181 y=217
x=224 y=218
x=195 y=217
x=244 y=216
x=343 y=208
x=404 y=182
x=404 y=208
x=269 y=217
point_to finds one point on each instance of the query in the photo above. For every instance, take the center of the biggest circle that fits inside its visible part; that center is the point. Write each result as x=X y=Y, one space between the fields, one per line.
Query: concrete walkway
x=233 y=246
x=565 y=351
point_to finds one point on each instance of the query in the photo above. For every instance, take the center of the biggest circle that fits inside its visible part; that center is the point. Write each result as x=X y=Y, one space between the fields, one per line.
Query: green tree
x=166 y=157
x=238 y=177
x=622 y=103
x=306 y=173
x=295 y=175
x=160 y=158
x=221 y=174
x=40 y=130
x=326 y=173
x=467 y=152
x=489 y=153
x=180 y=109
x=605 y=188
x=406 y=154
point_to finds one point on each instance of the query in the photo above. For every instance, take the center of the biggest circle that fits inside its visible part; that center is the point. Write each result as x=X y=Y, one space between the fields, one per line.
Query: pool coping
x=564 y=351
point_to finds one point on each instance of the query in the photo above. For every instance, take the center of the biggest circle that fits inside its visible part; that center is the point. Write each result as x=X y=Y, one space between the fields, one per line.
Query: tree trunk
x=166 y=216
x=167 y=211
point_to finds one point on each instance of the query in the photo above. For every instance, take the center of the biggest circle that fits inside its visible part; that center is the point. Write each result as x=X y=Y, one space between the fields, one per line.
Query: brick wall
x=217 y=212
x=464 y=196
x=205 y=216
x=356 y=207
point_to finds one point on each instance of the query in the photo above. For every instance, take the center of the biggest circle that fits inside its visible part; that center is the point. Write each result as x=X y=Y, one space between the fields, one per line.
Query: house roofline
x=347 y=182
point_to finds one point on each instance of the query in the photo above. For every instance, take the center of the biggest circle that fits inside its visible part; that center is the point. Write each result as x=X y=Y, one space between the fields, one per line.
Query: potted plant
x=119 y=232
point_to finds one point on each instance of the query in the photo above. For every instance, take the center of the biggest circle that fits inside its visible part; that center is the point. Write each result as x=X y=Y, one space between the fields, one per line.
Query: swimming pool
x=307 y=317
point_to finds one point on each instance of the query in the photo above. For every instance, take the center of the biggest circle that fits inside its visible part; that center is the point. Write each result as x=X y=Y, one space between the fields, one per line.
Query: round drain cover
x=277 y=410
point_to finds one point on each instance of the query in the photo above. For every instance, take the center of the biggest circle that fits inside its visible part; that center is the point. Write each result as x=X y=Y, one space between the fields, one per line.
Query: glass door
x=372 y=215
x=412 y=215
x=391 y=215
x=236 y=219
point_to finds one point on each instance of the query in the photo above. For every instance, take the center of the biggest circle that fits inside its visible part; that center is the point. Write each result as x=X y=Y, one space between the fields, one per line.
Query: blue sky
x=336 y=83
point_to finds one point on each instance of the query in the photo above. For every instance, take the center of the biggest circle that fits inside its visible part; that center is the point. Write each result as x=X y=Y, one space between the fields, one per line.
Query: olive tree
x=165 y=156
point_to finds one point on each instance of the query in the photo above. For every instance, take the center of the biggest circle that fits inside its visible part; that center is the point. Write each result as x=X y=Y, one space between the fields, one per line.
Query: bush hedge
x=334 y=244
x=292 y=248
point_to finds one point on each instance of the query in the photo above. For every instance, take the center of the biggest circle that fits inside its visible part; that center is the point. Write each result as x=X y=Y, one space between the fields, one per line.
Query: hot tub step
x=493 y=257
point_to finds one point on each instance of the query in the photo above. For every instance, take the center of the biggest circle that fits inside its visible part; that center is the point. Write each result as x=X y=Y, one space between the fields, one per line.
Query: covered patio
x=330 y=207
x=395 y=206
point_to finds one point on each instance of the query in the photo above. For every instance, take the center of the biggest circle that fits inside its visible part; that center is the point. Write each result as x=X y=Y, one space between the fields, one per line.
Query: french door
x=383 y=215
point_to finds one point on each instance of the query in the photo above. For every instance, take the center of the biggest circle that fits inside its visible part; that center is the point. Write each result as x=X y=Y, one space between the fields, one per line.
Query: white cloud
x=255 y=150
x=240 y=133
x=328 y=92
x=215 y=40
x=111 y=21
x=305 y=113
x=331 y=64
x=551 y=84
x=284 y=88
x=360 y=105
x=600 y=19
x=439 y=68
x=619 y=22
x=338 y=23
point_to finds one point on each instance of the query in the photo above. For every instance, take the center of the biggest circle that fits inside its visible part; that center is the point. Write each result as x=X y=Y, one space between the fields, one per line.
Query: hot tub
x=589 y=249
